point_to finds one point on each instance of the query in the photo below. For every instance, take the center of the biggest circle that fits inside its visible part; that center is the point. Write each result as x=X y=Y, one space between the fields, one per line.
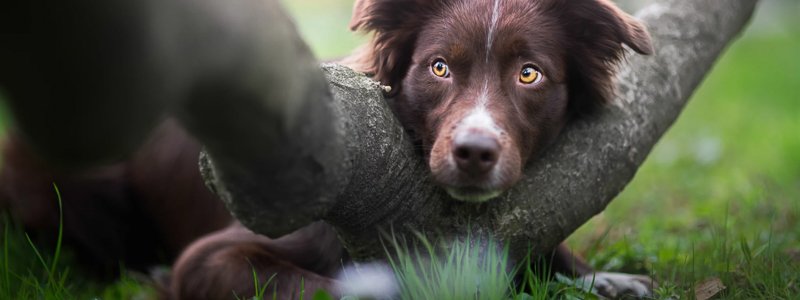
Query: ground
x=719 y=197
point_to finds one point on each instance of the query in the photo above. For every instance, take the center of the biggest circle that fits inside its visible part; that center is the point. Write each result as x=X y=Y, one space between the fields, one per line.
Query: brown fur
x=221 y=265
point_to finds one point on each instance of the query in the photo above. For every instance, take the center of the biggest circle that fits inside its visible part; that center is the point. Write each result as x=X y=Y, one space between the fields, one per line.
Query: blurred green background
x=720 y=194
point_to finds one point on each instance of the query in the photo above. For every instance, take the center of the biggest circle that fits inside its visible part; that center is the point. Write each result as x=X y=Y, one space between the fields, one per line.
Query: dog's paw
x=618 y=285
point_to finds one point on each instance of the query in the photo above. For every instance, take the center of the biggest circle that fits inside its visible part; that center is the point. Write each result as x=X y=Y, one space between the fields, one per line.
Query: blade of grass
x=60 y=231
x=302 y=288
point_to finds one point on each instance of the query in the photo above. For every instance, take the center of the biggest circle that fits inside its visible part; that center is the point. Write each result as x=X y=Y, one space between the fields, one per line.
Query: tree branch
x=88 y=80
x=387 y=183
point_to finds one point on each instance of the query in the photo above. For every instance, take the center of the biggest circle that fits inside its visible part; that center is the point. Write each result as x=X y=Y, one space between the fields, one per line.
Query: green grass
x=720 y=194
x=471 y=268
x=261 y=287
x=718 y=197
x=463 y=271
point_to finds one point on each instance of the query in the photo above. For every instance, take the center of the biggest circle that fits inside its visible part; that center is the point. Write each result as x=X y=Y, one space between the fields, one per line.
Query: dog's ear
x=359 y=13
x=628 y=30
x=597 y=29
x=395 y=24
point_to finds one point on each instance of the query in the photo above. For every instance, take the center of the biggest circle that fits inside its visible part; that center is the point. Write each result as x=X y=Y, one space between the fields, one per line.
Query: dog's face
x=485 y=85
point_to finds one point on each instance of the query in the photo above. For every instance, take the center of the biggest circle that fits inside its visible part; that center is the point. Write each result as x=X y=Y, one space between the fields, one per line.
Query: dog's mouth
x=473 y=194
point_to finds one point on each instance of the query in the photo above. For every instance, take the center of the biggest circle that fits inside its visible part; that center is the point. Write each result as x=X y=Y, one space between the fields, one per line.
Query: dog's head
x=484 y=85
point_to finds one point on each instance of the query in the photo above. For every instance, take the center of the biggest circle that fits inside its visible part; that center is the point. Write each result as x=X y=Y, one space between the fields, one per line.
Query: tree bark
x=387 y=186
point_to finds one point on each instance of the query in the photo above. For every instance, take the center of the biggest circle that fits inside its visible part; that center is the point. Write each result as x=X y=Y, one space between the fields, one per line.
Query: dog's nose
x=475 y=153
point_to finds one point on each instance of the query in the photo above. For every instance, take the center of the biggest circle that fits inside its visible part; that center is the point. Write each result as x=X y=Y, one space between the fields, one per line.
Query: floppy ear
x=629 y=31
x=597 y=29
x=359 y=13
x=395 y=24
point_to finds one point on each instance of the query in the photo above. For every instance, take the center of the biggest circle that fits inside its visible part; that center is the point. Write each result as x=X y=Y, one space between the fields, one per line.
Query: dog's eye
x=529 y=75
x=440 y=68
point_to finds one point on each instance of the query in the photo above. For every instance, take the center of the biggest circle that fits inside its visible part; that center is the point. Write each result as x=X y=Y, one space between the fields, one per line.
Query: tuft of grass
x=55 y=282
x=474 y=268
x=467 y=268
x=29 y=273
x=537 y=284
x=41 y=276
x=261 y=288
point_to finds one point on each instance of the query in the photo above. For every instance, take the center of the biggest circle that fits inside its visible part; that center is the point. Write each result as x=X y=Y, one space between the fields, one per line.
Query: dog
x=483 y=86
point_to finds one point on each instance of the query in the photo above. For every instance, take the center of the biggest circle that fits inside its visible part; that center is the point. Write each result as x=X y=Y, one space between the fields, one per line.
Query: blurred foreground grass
x=718 y=197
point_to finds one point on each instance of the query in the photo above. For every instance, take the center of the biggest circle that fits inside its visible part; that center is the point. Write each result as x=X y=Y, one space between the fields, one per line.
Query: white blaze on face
x=479 y=117
x=492 y=28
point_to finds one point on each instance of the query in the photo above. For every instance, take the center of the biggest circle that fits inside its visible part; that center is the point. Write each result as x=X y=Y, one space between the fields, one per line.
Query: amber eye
x=440 y=68
x=530 y=75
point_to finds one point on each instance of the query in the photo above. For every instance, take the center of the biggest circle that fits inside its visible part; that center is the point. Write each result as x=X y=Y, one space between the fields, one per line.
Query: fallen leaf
x=708 y=288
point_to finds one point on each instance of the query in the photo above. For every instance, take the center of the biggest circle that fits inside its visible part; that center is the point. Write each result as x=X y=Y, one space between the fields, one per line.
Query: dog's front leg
x=607 y=284
x=222 y=265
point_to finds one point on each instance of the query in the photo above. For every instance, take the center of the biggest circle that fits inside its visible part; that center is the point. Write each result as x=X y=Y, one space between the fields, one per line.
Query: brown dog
x=483 y=87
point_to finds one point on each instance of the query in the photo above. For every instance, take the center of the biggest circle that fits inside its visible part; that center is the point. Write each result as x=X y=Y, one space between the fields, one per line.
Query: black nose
x=475 y=153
